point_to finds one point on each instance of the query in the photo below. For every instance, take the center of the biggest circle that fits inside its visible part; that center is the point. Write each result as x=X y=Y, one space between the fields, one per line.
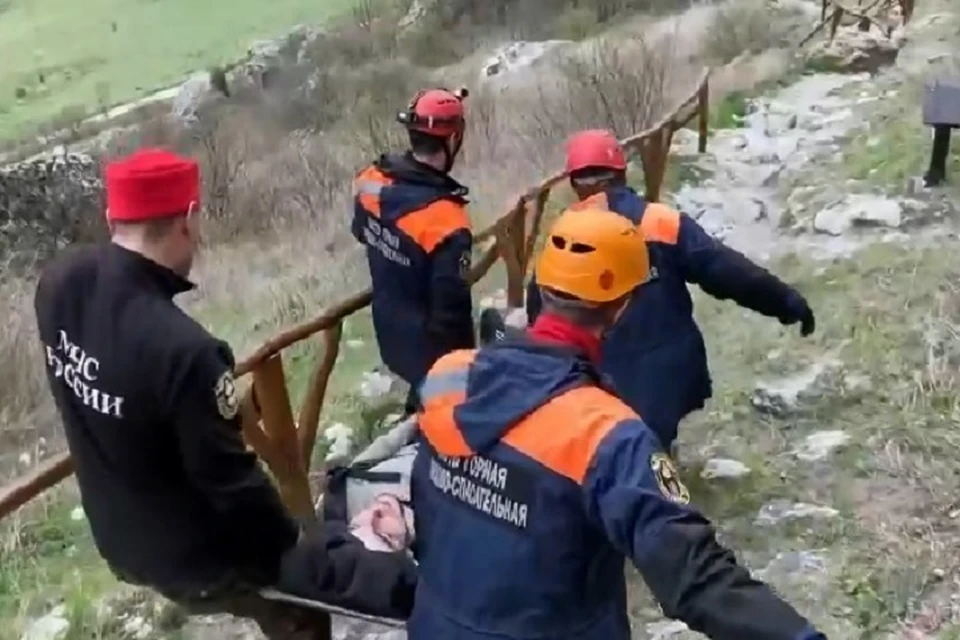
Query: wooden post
x=309 y=421
x=270 y=389
x=518 y=242
x=835 y=23
x=654 y=155
x=254 y=435
x=540 y=205
x=507 y=247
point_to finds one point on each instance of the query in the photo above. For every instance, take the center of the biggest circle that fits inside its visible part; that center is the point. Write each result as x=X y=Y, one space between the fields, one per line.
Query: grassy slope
x=156 y=43
x=888 y=314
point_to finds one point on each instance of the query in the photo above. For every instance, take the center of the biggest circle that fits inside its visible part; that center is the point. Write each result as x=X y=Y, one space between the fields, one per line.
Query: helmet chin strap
x=450 y=154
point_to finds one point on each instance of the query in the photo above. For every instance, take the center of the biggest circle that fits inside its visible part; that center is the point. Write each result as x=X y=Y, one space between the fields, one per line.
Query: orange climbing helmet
x=594 y=255
x=595 y=148
x=437 y=112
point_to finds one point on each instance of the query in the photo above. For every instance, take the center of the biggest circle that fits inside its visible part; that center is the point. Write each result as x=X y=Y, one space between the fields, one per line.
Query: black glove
x=492 y=327
x=800 y=311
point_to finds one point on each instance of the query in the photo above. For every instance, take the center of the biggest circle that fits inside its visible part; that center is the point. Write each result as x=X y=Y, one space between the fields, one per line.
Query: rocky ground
x=829 y=462
x=826 y=462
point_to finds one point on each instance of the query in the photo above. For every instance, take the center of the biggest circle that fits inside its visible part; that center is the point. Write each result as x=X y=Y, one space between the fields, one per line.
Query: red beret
x=150 y=184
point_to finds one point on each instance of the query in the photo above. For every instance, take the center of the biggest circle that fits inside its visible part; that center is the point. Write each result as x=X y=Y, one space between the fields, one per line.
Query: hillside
x=827 y=462
x=63 y=59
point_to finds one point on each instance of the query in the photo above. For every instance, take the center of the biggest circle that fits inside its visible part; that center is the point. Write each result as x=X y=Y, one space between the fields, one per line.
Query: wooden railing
x=832 y=13
x=285 y=442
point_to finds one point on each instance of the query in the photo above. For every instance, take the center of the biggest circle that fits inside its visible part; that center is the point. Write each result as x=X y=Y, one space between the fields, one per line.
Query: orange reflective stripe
x=564 y=434
x=367 y=186
x=454 y=360
x=596 y=201
x=443 y=390
x=437 y=425
x=660 y=223
x=431 y=225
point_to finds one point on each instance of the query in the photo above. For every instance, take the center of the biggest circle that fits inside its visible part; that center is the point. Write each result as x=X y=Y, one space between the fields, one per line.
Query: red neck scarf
x=553 y=328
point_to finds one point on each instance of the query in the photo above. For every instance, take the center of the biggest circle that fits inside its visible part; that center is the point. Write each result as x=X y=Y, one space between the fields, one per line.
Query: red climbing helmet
x=437 y=112
x=595 y=148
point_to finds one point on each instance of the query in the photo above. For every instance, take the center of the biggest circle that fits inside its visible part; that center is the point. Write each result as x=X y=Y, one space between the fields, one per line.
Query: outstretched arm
x=726 y=273
x=635 y=494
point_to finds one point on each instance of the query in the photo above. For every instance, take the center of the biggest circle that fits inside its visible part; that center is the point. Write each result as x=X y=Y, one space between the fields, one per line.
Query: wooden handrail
x=652 y=145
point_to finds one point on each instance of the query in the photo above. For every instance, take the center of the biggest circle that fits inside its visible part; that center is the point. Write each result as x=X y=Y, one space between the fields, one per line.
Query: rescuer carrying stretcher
x=175 y=500
x=412 y=217
x=532 y=482
x=655 y=355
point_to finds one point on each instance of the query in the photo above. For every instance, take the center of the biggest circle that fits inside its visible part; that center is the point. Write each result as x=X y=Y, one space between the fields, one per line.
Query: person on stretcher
x=372 y=494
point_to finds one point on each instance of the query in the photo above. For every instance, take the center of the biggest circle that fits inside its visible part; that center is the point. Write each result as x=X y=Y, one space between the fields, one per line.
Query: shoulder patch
x=668 y=479
x=225 y=392
x=466 y=261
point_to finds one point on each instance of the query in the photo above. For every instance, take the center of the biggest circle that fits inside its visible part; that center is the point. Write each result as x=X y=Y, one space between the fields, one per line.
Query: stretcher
x=278 y=596
x=383 y=467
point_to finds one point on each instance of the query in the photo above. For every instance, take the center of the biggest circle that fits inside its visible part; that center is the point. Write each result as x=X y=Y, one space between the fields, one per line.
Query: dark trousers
x=277 y=620
x=937 y=171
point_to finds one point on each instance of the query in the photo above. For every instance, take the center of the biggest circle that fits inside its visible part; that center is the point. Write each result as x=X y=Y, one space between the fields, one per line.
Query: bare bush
x=22 y=381
x=617 y=88
x=742 y=26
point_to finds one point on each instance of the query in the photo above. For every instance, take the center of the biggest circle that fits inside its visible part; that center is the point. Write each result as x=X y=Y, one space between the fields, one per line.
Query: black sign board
x=941 y=103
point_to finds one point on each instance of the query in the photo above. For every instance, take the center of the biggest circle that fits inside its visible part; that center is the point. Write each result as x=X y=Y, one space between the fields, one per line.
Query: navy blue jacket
x=532 y=485
x=655 y=356
x=414 y=224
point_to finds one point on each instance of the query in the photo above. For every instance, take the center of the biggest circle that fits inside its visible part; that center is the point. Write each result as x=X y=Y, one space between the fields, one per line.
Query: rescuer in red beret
x=175 y=500
x=153 y=198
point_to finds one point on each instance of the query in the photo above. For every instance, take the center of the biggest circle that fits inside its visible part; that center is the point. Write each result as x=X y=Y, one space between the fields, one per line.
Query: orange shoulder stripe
x=434 y=223
x=437 y=425
x=564 y=434
x=660 y=223
x=443 y=390
x=367 y=187
x=452 y=361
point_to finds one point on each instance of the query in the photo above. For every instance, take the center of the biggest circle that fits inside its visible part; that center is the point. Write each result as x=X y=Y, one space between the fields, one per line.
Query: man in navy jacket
x=654 y=355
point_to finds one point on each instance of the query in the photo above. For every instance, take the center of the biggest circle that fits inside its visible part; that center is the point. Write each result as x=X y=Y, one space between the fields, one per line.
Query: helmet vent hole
x=558 y=242
x=579 y=247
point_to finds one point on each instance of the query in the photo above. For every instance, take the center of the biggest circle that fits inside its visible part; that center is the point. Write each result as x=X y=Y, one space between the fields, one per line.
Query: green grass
x=728 y=112
x=43 y=548
x=85 y=63
x=898 y=124
x=887 y=314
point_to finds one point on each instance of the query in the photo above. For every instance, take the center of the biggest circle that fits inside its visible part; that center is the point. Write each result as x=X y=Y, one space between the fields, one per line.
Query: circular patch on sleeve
x=466 y=261
x=668 y=479
x=225 y=393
